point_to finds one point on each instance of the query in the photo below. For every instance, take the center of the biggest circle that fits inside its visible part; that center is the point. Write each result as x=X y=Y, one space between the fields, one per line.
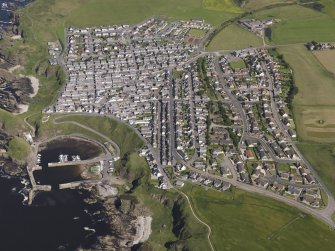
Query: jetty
x=78 y=162
x=34 y=186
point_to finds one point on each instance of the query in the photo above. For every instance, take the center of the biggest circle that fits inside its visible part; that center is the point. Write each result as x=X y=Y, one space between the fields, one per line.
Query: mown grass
x=234 y=37
x=19 y=150
x=238 y=64
x=245 y=221
x=196 y=33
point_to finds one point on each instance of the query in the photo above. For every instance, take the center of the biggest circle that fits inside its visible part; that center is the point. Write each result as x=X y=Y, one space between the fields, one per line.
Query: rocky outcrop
x=129 y=220
x=15 y=93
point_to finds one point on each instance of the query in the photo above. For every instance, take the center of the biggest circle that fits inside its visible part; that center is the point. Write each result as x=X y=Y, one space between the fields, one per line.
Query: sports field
x=327 y=59
x=245 y=221
x=234 y=37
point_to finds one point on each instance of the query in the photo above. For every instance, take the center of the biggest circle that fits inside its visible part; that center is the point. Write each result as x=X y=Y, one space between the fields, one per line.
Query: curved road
x=116 y=147
x=323 y=214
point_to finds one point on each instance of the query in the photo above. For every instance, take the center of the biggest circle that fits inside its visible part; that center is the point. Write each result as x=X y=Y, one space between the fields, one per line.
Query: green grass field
x=234 y=37
x=221 y=5
x=245 y=221
x=196 y=33
x=298 y=24
x=238 y=64
x=257 y=4
x=19 y=150
x=283 y=167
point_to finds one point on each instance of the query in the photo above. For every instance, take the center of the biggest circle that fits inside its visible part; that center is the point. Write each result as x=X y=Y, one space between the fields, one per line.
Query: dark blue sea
x=56 y=220
x=6 y=8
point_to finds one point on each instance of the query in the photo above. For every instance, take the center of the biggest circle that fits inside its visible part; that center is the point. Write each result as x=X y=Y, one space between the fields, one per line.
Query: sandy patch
x=16 y=37
x=143 y=229
x=16 y=67
x=35 y=84
x=23 y=108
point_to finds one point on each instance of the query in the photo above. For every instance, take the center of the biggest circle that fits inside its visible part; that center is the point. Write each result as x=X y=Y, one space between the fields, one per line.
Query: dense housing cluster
x=211 y=116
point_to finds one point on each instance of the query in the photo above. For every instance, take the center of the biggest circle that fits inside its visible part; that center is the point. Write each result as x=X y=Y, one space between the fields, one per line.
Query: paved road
x=233 y=99
x=322 y=214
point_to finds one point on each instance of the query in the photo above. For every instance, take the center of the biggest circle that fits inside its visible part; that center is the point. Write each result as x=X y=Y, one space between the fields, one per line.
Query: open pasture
x=257 y=4
x=316 y=85
x=262 y=223
x=327 y=59
x=221 y=5
x=298 y=24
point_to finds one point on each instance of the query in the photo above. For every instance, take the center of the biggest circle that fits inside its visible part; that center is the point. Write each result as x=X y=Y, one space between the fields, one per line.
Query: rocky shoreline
x=129 y=221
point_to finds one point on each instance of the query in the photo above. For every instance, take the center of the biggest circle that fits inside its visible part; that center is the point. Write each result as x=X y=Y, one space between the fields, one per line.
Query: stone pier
x=35 y=187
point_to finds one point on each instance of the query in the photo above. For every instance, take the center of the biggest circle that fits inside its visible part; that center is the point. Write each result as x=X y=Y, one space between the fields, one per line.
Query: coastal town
x=214 y=118
x=167 y=125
